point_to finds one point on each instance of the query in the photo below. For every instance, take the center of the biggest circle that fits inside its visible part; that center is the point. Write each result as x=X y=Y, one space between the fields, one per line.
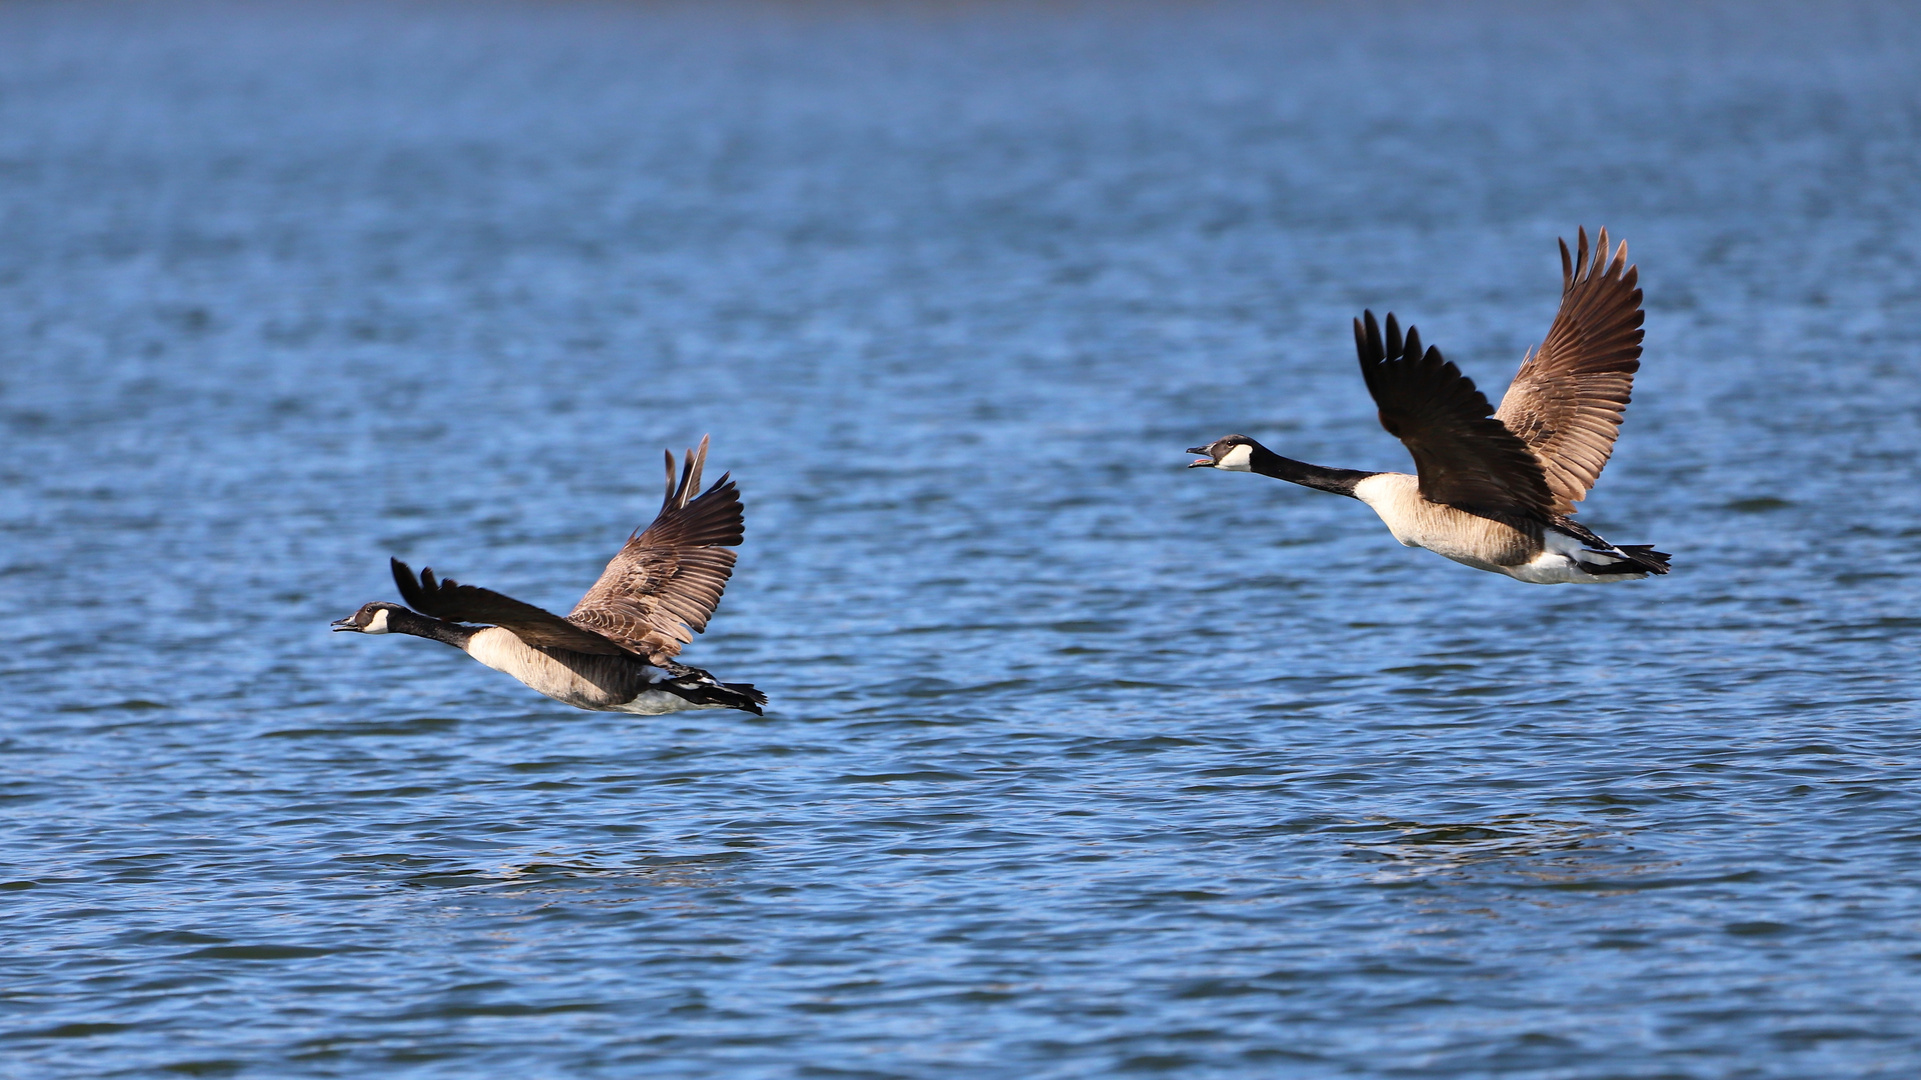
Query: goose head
x=1234 y=453
x=370 y=619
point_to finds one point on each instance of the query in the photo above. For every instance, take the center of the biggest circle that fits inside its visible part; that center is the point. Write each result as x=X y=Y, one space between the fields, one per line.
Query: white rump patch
x=1565 y=562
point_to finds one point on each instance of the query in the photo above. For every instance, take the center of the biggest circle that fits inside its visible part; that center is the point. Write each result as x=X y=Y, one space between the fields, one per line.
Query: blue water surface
x=1078 y=764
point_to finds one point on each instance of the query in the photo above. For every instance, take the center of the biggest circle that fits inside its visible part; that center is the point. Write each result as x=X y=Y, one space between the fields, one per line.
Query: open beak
x=344 y=624
x=1206 y=462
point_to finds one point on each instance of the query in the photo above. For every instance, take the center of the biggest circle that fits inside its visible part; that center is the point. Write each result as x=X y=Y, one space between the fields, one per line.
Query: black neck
x=402 y=621
x=1339 y=481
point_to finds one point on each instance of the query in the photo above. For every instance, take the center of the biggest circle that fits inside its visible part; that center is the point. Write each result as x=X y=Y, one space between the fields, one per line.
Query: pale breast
x=1442 y=529
x=585 y=682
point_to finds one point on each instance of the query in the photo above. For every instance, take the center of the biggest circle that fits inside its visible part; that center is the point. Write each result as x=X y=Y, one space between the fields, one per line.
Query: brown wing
x=1567 y=400
x=1464 y=456
x=466 y=603
x=665 y=583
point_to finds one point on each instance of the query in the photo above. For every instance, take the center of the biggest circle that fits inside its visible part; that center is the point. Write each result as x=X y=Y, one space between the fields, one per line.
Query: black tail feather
x=740 y=696
x=1644 y=556
x=1638 y=559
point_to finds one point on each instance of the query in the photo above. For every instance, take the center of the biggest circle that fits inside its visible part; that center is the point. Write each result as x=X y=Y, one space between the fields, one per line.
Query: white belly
x=598 y=683
x=1564 y=561
x=1554 y=559
x=657 y=702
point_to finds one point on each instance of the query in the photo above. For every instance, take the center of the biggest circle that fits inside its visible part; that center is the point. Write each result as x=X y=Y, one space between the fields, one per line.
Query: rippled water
x=1077 y=764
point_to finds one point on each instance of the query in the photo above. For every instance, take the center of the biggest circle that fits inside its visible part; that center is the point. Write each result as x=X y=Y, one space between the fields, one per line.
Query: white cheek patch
x=1239 y=459
x=379 y=623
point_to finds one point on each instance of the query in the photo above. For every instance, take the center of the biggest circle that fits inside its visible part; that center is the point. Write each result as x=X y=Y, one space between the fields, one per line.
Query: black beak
x=344 y=624
x=1204 y=463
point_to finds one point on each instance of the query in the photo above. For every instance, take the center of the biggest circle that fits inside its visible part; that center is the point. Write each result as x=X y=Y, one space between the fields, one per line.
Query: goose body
x=615 y=651
x=1495 y=489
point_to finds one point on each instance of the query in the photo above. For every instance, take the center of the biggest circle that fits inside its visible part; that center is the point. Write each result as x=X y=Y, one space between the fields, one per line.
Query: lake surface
x=1077 y=764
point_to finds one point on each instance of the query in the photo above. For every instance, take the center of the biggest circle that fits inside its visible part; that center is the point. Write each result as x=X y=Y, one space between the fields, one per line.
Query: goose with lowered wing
x=616 y=651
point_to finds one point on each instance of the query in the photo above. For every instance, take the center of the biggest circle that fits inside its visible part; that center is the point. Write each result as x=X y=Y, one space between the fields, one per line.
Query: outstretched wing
x=465 y=603
x=1567 y=400
x=1464 y=456
x=665 y=583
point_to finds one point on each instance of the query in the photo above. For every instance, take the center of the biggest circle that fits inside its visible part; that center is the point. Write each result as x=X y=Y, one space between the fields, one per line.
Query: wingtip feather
x=404 y=580
x=690 y=479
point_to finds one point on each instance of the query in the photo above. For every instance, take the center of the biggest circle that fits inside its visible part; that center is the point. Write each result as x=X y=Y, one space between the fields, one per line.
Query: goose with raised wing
x=615 y=652
x=1495 y=489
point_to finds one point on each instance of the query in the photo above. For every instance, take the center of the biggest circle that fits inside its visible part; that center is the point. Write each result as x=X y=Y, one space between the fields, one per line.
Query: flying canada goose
x=615 y=651
x=1496 y=489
